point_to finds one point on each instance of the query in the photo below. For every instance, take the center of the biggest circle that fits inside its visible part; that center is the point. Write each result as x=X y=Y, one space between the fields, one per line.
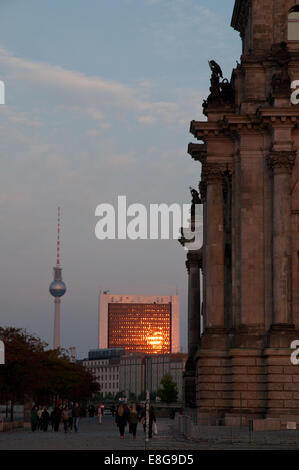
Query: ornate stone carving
x=221 y=92
x=194 y=258
x=213 y=172
x=282 y=162
x=198 y=151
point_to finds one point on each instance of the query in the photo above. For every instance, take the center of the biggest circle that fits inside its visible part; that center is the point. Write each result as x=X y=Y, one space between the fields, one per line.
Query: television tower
x=57 y=289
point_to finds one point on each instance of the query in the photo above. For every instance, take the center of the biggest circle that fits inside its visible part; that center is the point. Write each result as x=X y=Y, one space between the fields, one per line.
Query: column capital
x=194 y=258
x=213 y=172
x=282 y=161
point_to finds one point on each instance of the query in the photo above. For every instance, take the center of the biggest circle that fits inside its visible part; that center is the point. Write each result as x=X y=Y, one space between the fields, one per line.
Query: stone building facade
x=249 y=261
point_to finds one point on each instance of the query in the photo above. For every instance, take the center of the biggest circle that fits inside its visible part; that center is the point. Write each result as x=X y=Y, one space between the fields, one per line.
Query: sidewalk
x=93 y=436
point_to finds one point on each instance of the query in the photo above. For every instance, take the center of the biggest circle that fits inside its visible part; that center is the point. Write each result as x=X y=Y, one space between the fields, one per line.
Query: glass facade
x=143 y=328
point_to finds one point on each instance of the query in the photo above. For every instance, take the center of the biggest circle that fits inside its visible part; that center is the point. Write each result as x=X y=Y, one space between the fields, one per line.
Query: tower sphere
x=57 y=288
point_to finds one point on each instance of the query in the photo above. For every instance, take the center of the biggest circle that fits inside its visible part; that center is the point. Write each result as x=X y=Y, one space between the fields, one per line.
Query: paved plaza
x=93 y=436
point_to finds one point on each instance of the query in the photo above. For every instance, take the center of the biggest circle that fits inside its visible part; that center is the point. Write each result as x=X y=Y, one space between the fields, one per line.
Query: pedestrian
x=56 y=417
x=39 y=414
x=34 y=418
x=76 y=416
x=45 y=418
x=133 y=418
x=121 y=420
x=52 y=419
x=65 y=418
x=100 y=414
x=71 y=418
x=142 y=418
x=91 y=411
x=152 y=419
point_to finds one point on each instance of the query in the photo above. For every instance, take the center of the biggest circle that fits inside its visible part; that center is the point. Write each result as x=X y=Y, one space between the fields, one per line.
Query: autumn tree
x=30 y=369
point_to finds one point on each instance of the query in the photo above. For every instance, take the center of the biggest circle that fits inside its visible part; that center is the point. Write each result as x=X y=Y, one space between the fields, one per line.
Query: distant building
x=138 y=373
x=103 y=364
x=140 y=324
x=132 y=374
x=160 y=365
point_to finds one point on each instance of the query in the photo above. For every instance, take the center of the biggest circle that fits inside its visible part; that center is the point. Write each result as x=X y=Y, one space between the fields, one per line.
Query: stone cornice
x=235 y=122
x=279 y=116
x=240 y=15
x=198 y=151
x=202 y=129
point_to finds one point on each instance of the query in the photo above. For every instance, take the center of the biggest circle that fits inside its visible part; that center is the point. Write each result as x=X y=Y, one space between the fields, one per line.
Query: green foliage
x=119 y=395
x=168 y=391
x=132 y=396
x=142 y=396
x=32 y=370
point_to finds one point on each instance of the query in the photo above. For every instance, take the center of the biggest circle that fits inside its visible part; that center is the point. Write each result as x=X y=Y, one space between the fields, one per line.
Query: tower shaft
x=56 y=339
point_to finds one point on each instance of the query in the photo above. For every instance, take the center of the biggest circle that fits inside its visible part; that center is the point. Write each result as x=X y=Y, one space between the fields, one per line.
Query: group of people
x=132 y=416
x=69 y=415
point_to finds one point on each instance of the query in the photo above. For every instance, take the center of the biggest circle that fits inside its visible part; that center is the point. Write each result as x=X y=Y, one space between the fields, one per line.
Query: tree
x=142 y=396
x=168 y=391
x=132 y=396
x=31 y=370
x=119 y=395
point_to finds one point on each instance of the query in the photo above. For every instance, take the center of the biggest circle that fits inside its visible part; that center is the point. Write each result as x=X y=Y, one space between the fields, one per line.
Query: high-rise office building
x=140 y=324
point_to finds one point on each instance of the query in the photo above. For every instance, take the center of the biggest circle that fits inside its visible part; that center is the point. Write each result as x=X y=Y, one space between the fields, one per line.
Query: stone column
x=213 y=365
x=282 y=164
x=214 y=246
x=194 y=301
x=282 y=376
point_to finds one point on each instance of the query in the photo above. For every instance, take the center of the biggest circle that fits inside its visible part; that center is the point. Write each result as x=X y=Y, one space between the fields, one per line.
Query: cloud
x=91 y=94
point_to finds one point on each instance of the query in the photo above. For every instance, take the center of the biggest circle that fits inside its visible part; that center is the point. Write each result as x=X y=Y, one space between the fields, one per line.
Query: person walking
x=143 y=418
x=91 y=411
x=121 y=420
x=76 y=416
x=71 y=418
x=152 y=419
x=133 y=418
x=65 y=418
x=100 y=413
x=39 y=414
x=56 y=417
x=45 y=418
x=34 y=418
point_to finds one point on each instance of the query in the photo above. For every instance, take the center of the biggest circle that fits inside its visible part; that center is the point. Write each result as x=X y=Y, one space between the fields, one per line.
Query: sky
x=99 y=99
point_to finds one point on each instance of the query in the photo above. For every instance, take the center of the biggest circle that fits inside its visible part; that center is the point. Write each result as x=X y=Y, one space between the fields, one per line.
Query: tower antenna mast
x=57 y=288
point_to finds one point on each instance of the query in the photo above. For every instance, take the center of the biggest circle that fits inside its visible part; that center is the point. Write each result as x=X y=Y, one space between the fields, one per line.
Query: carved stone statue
x=195 y=196
x=220 y=91
x=215 y=68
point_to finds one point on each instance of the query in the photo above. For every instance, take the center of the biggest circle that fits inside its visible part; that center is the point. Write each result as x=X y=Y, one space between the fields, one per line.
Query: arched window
x=293 y=24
